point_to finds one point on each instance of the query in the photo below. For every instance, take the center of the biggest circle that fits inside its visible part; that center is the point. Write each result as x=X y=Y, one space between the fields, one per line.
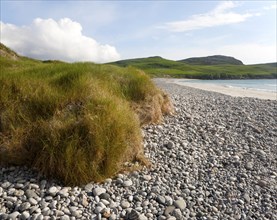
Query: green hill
x=160 y=67
x=76 y=122
x=212 y=60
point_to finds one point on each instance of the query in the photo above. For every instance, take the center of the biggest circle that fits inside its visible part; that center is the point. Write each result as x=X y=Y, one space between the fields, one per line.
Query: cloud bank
x=60 y=40
x=217 y=17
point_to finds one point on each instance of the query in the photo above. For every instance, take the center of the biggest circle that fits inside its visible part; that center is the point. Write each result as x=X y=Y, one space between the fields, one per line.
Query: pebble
x=105 y=196
x=98 y=191
x=125 y=204
x=133 y=215
x=168 y=210
x=249 y=165
x=180 y=203
x=127 y=183
x=147 y=177
x=65 y=217
x=246 y=197
x=89 y=187
x=262 y=183
x=30 y=193
x=25 y=215
x=207 y=162
x=52 y=191
x=24 y=206
x=168 y=200
x=161 y=199
x=33 y=201
x=14 y=215
x=64 y=192
x=177 y=214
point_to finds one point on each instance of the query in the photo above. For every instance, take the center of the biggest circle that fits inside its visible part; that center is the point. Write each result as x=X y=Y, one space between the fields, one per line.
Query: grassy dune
x=159 y=67
x=76 y=122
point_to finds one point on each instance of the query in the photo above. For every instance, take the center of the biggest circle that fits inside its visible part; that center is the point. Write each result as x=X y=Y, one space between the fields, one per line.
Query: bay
x=266 y=85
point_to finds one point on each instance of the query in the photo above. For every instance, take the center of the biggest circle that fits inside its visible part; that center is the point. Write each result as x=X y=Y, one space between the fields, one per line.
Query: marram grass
x=75 y=122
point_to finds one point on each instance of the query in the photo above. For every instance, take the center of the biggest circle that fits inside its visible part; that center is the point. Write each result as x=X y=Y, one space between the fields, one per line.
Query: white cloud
x=274 y=6
x=61 y=40
x=221 y=15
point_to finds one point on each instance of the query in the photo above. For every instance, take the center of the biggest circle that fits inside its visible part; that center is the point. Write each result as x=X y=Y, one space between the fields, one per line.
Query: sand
x=235 y=92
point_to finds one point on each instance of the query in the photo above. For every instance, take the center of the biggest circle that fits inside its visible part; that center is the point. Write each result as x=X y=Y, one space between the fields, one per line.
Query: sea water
x=266 y=85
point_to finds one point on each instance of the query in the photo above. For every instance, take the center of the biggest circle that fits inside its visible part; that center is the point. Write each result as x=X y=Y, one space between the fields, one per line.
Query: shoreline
x=235 y=91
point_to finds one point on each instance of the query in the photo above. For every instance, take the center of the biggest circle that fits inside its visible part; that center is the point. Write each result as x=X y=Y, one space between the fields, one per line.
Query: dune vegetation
x=77 y=122
x=160 y=67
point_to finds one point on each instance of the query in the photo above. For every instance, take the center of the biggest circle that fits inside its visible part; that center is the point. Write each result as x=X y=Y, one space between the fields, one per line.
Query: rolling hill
x=212 y=60
x=159 y=67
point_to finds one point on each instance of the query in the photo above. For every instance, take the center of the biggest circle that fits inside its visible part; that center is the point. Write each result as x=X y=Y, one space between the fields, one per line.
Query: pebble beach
x=215 y=158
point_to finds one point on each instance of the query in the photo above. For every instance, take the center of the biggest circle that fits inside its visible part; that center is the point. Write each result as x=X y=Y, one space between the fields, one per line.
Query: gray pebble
x=161 y=199
x=52 y=191
x=25 y=215
x=14 y=215
x=125 y=204
x=180 y=203
x=98 y=191
x=127 y=183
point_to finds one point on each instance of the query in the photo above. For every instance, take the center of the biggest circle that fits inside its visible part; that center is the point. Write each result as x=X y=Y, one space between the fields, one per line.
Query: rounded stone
x=31 y=193
x=249 y=165
x=161 y=199
x=127 y=183
x=14 y=215
x=180 y=203
x=33 y=201
x=24 y=206
x=105 y=196
x=125 y=204
x=52 y=191
x=25 y=215
x=177 y=214
x=65 y=217
x=98 y=191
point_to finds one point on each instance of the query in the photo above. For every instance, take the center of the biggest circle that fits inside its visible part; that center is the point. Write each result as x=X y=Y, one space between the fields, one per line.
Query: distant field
x=159 y=67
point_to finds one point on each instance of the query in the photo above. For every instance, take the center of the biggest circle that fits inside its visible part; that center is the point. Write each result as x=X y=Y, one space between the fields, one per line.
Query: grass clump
x=75 y=122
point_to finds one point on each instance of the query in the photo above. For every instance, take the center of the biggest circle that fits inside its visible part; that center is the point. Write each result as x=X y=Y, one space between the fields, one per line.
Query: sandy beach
x=235 y=92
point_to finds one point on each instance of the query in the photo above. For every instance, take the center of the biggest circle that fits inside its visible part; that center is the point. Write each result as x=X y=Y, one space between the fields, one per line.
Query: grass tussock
x=75 y=122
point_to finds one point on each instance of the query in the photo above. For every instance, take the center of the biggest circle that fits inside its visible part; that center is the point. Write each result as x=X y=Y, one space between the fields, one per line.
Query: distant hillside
x=212 y=60
x=160 y=67
x=149 y=62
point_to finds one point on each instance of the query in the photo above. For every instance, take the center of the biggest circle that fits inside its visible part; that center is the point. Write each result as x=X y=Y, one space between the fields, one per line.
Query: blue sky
x=103 y=31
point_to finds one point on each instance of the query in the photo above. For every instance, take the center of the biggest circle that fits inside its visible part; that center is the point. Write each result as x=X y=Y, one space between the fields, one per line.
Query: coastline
x=214 y=159
x=235 y=92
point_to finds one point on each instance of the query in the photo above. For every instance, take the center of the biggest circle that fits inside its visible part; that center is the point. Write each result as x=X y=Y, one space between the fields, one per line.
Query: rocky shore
x=215 y=159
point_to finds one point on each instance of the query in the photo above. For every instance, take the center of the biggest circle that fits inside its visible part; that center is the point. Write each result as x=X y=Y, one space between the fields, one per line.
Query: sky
x=105 y=31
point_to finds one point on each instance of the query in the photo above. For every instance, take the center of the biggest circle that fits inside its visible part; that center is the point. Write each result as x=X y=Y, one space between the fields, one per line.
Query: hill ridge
x=212 y=60
x=161 y=67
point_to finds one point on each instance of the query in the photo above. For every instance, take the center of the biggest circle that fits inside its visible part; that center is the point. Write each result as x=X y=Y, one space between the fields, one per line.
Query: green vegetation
x=212 y=60
x=76 y=122
x=159 y=67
